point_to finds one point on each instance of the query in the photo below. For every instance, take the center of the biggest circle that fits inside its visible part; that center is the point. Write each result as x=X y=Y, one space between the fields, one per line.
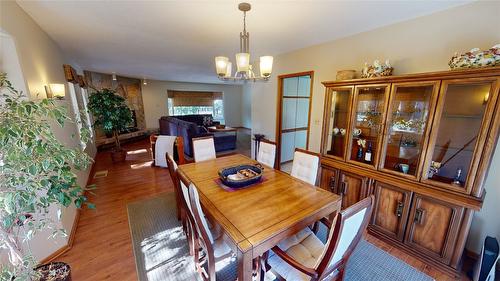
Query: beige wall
x=154 y=97
x=246 y=106
x=419 y=45
x=41 y=63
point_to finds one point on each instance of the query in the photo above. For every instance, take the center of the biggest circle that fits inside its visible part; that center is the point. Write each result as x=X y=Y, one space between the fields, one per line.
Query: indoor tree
x=36 y=172
x=112 y=114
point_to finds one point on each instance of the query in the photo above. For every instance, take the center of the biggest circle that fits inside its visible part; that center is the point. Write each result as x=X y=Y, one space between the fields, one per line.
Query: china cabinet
x=422 y=144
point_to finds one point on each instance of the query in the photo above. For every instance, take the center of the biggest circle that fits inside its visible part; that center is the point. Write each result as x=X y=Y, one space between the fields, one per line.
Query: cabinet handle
x=399 y=209
x=332 y=183
x=343 y=188
x=419 y=215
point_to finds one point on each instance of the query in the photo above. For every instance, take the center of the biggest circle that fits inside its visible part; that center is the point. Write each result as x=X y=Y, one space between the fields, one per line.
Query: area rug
x=161 y=250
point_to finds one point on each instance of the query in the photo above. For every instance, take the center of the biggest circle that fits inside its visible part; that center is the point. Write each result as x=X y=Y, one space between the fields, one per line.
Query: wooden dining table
x=256 y=218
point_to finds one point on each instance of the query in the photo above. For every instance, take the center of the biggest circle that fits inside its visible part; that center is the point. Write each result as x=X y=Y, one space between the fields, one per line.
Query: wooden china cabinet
x=422 y=144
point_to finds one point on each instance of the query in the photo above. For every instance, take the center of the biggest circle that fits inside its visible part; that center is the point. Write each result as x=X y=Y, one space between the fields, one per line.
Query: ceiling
x=177 y=40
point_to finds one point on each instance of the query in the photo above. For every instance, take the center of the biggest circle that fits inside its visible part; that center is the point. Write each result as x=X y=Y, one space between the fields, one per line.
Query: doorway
x=294 y=114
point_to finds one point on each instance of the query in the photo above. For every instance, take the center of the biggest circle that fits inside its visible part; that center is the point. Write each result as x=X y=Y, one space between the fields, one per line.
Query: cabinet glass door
x=367 y=124
x=461 y=122
x=411 y=106
x=337 y=121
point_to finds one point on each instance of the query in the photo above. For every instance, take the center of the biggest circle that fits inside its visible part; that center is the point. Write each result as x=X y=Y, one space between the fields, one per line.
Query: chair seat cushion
x=221 y=249
x=305 y=247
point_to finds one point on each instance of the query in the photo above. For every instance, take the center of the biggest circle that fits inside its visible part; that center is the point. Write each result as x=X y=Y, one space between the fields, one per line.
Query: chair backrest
x=203 y=149
x=305 y=165
x=267 y=153
x=344 y=235
x=178 y=149
x=199 y=216
x=180 y=188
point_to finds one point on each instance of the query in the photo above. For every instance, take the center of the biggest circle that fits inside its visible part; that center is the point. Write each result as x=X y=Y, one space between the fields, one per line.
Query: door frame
x=279 y=111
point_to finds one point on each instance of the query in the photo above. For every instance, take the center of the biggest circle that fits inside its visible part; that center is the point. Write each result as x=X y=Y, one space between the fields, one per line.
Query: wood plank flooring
x=102 y=248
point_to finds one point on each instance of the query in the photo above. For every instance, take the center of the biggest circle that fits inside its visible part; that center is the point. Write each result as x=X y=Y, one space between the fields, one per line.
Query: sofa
x=195 y=126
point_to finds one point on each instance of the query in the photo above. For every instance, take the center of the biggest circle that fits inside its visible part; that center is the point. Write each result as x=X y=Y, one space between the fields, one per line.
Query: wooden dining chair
x=183 y=204
x=304 y=257
x=203 y=148
x=178 y=149
x=213 y=247
x=305 y=165
x=267 y=153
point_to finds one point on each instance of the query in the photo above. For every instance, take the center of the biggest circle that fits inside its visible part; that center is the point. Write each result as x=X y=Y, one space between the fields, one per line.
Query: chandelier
x=244 y=70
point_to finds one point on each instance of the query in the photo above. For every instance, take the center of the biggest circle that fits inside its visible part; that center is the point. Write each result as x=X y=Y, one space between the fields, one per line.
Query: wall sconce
x=55 y=91
x=144 y=82
x=113 y=76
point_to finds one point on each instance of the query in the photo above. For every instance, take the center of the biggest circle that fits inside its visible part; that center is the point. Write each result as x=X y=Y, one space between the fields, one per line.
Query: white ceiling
x=177 y=40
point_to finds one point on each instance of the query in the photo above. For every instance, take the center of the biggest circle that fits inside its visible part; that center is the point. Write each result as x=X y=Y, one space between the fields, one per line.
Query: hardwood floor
x=102 y=248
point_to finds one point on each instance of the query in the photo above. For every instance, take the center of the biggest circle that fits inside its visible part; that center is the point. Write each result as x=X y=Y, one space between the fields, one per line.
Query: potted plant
x=36 y=172
x=112 y=114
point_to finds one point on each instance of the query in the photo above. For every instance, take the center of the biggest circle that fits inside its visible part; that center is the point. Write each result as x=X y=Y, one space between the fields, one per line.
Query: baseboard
x=71 y=237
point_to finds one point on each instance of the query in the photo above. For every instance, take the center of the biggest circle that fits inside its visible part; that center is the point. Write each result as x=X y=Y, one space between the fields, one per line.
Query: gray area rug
x=161 y=250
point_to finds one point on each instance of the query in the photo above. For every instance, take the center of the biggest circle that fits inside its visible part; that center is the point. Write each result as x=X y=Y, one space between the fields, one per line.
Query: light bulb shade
x=266 y=66
x=221 y=65
x=242 y=62
x=57 y=90
x=229 y=70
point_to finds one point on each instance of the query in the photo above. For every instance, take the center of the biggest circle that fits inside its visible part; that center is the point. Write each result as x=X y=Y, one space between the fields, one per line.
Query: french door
x=294 y=106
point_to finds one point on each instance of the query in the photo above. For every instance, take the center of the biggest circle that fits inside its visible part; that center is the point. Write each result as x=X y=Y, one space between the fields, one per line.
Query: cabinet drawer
x=391 y=209
x=433 y=226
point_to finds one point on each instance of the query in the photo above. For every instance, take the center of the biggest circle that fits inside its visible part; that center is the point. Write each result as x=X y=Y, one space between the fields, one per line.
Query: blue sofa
x=195 y=126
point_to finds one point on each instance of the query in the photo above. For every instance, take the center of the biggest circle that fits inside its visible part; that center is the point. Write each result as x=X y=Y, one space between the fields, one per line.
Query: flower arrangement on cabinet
x=377 y=69
x=476 y=58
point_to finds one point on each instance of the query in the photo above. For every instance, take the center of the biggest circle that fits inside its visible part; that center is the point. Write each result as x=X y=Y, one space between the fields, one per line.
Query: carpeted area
x=161 y=250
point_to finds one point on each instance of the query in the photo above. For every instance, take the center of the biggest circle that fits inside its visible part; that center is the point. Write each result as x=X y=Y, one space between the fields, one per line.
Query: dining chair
x=213 y=247
x=304 y=257
x=203 y=148
x=267 y=153
x=305 y=165
x=183 y=204
x=158 y=152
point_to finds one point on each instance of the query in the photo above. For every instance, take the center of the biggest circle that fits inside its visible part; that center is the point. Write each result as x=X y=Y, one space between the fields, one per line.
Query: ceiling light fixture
x=244 y=71
x=113 y=76
x=144 y=82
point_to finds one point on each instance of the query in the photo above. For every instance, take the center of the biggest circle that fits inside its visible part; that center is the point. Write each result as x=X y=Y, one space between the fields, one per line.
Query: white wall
x=419 y=45
x=246 y=106
x=154 y=97
x=40 y=61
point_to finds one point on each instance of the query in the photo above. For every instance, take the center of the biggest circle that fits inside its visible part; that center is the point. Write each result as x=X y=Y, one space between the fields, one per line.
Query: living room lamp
x=244 y=70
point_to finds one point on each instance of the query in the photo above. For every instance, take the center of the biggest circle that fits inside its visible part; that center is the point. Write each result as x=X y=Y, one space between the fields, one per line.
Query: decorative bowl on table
x=241 y=175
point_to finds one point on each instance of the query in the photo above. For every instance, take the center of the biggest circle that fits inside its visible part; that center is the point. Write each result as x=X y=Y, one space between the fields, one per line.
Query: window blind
x=192 y=98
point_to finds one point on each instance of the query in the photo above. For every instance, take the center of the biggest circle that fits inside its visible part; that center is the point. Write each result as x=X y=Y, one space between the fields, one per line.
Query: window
x=186 y=103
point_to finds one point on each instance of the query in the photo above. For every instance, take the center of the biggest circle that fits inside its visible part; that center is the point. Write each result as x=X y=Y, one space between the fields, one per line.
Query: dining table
x=256 y=218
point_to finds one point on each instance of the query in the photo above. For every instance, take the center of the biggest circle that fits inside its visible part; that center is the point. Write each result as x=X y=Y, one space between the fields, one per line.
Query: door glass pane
x=289 y=113
x=287 y=146
x=337 y=121
x=304 y=86
x=458 y=131
x=409 y=113
x=290 y=86
x=302 y=116
x=301 y=139
x=367 y=124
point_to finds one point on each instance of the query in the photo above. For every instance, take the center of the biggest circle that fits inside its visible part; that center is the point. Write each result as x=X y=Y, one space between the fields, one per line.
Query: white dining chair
x=203 y=149
x=212 y=244
x=304 y=257
x=267 y=153
x=305 y=165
